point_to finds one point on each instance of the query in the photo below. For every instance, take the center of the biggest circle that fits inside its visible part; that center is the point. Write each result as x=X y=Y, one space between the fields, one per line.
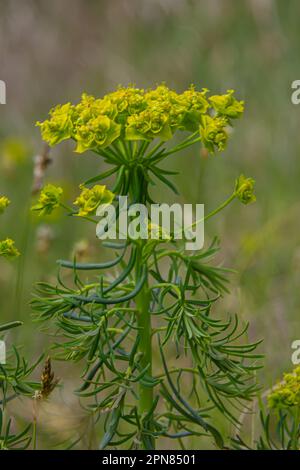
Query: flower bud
x=49 y=199
x=244 y=188
x=4 y=202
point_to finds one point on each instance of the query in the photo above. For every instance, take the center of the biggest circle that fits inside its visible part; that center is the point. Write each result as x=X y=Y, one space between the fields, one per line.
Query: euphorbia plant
x=116 y=324
x=279 y=427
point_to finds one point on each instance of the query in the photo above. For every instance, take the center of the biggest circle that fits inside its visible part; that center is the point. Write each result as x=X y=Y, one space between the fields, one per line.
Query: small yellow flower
x=49 y=199
x=227 y=105
x=286 y=394
x=149 y=124
x=4 y=202
x=244 y=189
x=60 y=125
x=128 y=100
x=195 y=104
x=90 y=199
x=98 y=132
x=8 y=249
x=213 y=132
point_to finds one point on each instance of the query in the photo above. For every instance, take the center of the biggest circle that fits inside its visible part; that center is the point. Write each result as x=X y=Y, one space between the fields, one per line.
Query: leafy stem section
x=108 y=323
x=145 y=345
x=110 y=327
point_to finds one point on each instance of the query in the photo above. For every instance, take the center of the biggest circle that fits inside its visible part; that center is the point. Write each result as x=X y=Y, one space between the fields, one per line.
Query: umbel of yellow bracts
x=132 y=114
x=105 y=125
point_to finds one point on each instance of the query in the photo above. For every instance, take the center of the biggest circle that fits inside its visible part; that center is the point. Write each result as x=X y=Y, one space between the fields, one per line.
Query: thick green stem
x=145 y=347
x=145 y=344
x=142 y=301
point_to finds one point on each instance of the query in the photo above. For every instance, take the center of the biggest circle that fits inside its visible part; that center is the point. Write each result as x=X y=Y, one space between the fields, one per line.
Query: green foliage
x=10 y=440
x=279 y=432
x=114 y=326
x=279 y=428
x=15 y=383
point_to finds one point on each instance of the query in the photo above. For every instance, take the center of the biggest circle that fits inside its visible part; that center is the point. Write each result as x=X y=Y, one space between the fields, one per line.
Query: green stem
x=142 y=301
x=211 y=214
x=221 y=207
x=186 y=143
x=34 y=434
x=145 y=344
x=295 y=436
x=164 y=152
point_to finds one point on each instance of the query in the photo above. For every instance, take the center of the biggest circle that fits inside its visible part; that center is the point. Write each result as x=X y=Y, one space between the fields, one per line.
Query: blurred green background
x=51 y=52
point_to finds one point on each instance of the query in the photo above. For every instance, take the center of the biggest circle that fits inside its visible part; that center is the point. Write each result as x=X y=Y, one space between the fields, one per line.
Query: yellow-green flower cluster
x=90 y=199
x=227 y=105
x=4 y=202
x=244 y=189
x=7 y=246
x=49 y=199
x=287 y=393
x=213 y=132
x=60 y=125
x=135 y=114
x=8 y=249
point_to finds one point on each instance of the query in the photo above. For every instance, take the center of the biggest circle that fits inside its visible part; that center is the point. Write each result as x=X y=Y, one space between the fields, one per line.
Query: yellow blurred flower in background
x=4 y=202
x=8 y=249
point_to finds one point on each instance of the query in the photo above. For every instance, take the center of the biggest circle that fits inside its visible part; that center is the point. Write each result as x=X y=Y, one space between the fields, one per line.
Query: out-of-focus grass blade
x=12 y=324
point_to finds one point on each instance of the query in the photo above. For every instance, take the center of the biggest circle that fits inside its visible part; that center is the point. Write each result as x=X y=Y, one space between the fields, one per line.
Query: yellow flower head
x=196 y=105
x=49 y=199
x=287 y=393
x=128 y=100
x=148 y=125
x=8 y=249
x=4 y=202
x=227 y=105
x=90 y=199
x=89 y=107
x=244 y=189
x=60 y=126
x=213 y=132
x=132 y=113
x=98 y=133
